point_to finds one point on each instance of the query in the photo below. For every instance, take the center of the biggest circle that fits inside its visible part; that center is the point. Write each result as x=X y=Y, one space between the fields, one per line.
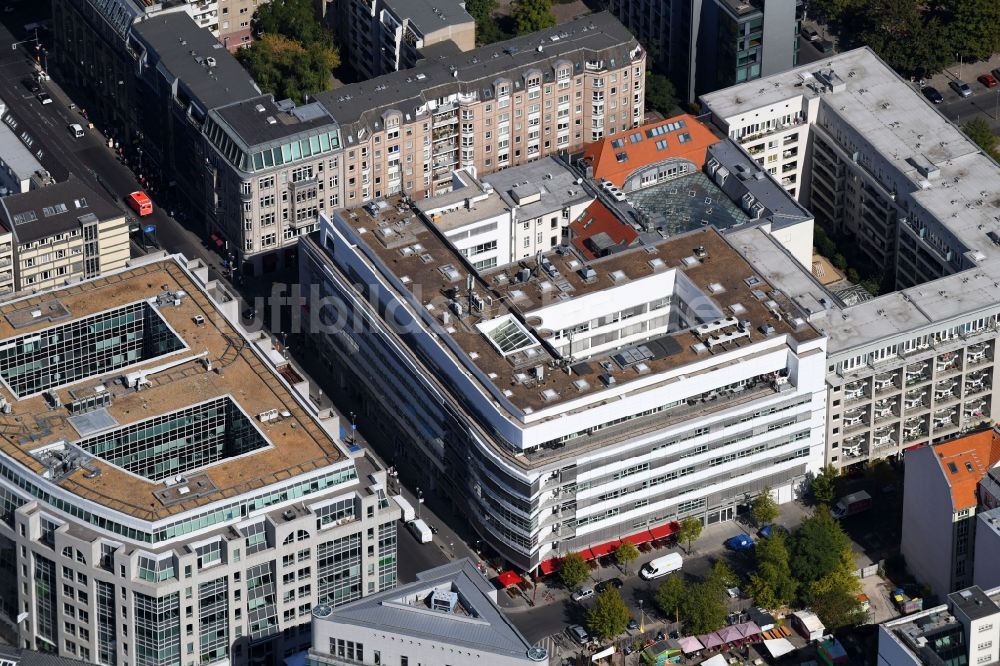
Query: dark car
x=32 y=86
x=933 y=94
x=987 y=80
x=823 y=45
x=609 y=583
x=633 y=624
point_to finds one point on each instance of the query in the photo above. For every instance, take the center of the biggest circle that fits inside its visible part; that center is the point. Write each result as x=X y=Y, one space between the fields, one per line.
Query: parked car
x=611 y=582
x=932 y=93
x=583 y=593
x=996 y=73
x=739 y=543
x=809 y=34
x=823 y=45
x=961 y=87
x=987 y=80
x=579 y=634
x=633 y=624
x=44 y=98
x=32 y=86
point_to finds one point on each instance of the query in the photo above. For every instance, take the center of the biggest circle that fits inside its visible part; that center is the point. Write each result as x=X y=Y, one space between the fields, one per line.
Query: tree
x=820 y=548
x=763 y=508
x=704 y=608
x=574 y=570
x=288 y=68
x=973 y=27
x=982 y=135
x=834 y=599
x=609 y=615
x=294 y=19
x=906 y=35
x=771 y=585
x=625 y=553
x=670 y=596
x=823 y=486
x=722 y=576
x=533 y=15
x=660 y=93
x=689 y=530
x=488 y=28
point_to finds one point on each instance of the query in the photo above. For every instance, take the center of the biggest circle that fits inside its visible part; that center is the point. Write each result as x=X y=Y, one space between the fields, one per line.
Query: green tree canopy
x=974 y=27
x=609 y=615
x=670 y=596
x=625 y=553
x=532 y=15
x=982 y=135
x=704 y=608
x=820 y=547
x=834 y=599
x=660 y=93
x=294 y=19
x=764 y=508
x=824 y=485
x=722 y=576
x=689 y=531
x=287 y=68
x=574 y=570
x=772 y=585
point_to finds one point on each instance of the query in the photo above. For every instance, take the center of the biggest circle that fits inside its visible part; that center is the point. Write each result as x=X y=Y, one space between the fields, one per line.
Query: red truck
x=852 y=504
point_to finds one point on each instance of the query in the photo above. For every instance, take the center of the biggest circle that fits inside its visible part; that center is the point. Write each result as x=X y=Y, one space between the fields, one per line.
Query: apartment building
x=862 y=150
x=170 y=493
x=940 y=504
x=705 y=45
x=387 y=35
x=965 y=630
x=487 y=109
x=449 y=610
x=566 y=402
x=63 y=233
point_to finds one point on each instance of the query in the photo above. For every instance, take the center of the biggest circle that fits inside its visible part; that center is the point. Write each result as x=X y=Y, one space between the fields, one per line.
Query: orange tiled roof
x=615 y=158
x=598 y=219
x=964 y=462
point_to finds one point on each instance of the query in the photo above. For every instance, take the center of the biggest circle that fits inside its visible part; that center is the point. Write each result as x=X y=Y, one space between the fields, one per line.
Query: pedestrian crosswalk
x=552 y=647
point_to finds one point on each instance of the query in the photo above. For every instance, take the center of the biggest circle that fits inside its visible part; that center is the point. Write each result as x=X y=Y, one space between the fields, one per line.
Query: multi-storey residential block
x=966 y=630
x=862 y=149
x=497 y=106
x=171 y=494
x=565 y=402
x=451 y=609
x=63 y=233
x=705 y=45
x=940 y=504
x=383 y=36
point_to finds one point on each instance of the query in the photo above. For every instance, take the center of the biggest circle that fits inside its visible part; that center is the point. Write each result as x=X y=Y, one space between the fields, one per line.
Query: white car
x=583 y=593
x=579 y=634
x=44 y=98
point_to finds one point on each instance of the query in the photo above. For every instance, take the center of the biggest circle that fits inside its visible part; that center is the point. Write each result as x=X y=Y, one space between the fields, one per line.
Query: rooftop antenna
x=470 y=283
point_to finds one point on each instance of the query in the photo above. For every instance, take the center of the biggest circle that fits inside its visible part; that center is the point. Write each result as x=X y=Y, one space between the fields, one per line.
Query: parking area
x=983 y=100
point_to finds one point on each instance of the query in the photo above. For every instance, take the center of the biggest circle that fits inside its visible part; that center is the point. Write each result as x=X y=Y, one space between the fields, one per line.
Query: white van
x=421 y=530
x=662 y=566
x=76 y=130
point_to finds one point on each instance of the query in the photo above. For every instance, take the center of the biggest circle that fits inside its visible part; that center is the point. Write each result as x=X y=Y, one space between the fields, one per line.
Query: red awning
x=604 y=548
x=639 y=538
x=548 y=566
x=508 y=578
x=663 y=531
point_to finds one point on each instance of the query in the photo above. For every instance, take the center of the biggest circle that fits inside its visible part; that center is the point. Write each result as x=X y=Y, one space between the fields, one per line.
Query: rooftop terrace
x=499 y=330
x=239 y=393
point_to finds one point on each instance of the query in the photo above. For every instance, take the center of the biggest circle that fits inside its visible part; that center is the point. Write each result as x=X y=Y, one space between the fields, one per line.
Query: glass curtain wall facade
x=45 y=603
x=213 y=620
x=338 y=567
x=157 y=630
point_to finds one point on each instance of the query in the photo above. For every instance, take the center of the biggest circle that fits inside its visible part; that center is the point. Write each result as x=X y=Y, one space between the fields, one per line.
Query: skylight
x=507 y=335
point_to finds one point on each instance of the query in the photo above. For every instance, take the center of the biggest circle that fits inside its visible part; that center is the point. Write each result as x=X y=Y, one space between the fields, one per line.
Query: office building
x=705 y=45
x=862 y=150
x=171 y=494
x=388 y=35
x=449 y=615
x=63 y=233
x=20 y=169
x=940 y=503
x=566 y=402
x=965 y=630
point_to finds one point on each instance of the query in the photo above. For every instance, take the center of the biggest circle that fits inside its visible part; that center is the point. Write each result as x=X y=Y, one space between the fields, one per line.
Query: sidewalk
x=967 y=71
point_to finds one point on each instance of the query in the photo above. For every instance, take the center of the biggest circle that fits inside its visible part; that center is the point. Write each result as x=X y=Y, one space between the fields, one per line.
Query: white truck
x=408 y=512
x=662 y=566
x=420 y=530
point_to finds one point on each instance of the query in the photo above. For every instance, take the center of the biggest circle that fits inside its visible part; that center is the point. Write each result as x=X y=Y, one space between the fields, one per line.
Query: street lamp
x=354 y=428
x=642 y=618
x=420 y=499
x=959 y=66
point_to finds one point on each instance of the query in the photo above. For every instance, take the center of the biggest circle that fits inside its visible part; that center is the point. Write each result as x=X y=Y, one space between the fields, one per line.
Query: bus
x=140 y=203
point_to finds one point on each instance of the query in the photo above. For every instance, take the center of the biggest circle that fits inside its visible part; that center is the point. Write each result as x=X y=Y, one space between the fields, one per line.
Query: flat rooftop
x=54 y=209
x=467 y=203
x=259 y=121
x=295 y=443
x=415 y=254
x=429 y=16
x=936 y=167
x=549 y=177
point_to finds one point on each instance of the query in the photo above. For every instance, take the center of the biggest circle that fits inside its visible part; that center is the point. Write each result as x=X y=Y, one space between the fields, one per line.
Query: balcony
x=977 y=353
x=915 y=399
x=885 y=382
x=947 y=362
x=778 y=127
x=915 y=374
x=855 y=390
